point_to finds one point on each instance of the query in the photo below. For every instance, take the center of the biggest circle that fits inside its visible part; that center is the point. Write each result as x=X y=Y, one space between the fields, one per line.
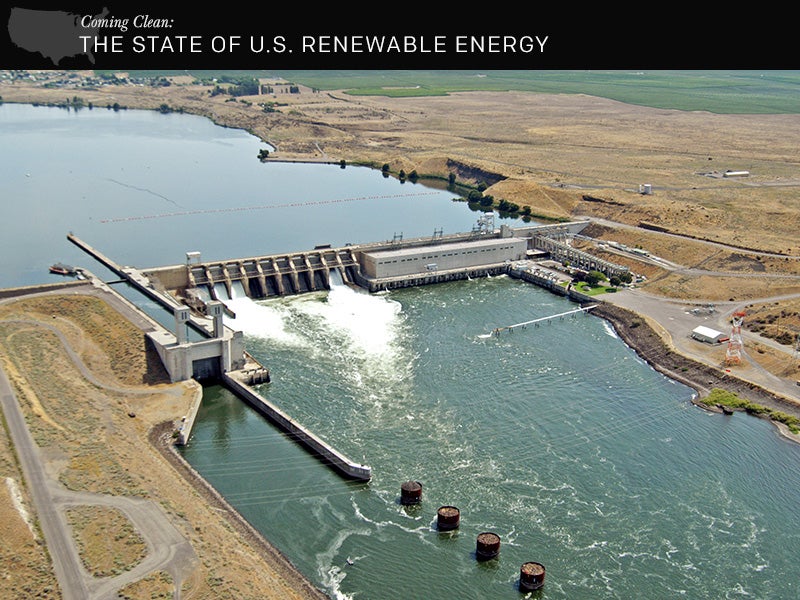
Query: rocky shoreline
x=645 y=341
x=161 y=439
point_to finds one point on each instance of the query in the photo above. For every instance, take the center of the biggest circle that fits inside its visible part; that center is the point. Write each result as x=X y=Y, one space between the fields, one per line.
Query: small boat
x=62 y=269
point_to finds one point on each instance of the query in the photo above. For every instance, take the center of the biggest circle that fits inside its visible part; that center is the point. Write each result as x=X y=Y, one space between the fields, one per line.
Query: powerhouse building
x=383 y=264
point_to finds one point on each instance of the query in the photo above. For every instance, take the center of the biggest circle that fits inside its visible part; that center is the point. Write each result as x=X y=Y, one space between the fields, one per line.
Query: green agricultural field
x=731 y=92
x=755 y=92
x=714 y=91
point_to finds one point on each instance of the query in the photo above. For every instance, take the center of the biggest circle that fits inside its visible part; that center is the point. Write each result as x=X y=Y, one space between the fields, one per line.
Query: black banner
x=489 y=36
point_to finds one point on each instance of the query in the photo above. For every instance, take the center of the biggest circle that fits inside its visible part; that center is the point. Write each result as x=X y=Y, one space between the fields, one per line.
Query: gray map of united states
x=53 y=34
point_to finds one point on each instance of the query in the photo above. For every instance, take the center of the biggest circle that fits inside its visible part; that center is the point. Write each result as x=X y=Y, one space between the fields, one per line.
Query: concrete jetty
x=325 y=451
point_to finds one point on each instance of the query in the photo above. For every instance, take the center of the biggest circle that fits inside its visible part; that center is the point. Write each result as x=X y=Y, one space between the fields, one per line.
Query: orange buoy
x=488 y=546
x=448 y=518
x=411 y=492
x=531 y=576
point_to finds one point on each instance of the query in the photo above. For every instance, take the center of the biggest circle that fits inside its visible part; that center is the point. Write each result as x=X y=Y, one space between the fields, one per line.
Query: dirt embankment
x=160 y=437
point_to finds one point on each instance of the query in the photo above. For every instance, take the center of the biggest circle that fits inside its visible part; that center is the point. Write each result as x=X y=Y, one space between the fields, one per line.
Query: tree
x=594 y=277
x=263 y=154
x=506 y=206
x=247 y=86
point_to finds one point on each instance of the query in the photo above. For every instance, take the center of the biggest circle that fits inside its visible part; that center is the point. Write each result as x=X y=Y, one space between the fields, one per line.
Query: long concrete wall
x=344 y=465
x=38 y=289
x=430 y=277
x=552 y=285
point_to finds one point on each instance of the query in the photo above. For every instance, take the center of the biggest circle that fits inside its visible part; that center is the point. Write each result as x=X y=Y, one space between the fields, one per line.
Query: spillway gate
x=277 y=275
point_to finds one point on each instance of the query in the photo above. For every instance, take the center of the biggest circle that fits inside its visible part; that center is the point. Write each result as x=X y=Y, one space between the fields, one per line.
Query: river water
x=557 y=438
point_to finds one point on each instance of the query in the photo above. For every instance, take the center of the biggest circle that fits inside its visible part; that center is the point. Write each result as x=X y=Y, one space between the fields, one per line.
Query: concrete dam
x=194 y=293
x=375 y=266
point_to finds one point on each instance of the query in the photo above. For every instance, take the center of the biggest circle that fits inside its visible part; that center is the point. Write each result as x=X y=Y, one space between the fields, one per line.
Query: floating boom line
x=498 y=330
x=206 y=211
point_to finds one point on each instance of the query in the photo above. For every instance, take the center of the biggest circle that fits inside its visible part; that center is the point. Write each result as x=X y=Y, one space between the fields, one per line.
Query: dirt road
x=92 y=421
x=168 y=549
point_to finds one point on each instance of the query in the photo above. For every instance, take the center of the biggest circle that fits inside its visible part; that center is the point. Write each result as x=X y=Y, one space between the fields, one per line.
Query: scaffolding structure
x=485 y=224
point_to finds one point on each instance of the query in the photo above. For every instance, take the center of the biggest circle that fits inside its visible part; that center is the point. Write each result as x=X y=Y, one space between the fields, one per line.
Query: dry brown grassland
x=25 y=569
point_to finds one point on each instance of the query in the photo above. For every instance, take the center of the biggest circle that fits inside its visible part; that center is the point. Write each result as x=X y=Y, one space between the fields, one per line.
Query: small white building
x=708 y=335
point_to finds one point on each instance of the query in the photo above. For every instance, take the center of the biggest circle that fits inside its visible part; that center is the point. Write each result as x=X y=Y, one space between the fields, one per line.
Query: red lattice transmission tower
x=733 y=355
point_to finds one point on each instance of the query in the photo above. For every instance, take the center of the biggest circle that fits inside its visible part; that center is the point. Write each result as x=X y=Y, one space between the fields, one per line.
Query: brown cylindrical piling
x=448 y=518
x=411 y=492
x=531 y=576
x=488 y=546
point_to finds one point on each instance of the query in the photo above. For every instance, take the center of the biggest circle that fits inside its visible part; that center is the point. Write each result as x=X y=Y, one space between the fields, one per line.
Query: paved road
x=168 y=549
x=677 y=321
x=66 y=562
x=728 y=247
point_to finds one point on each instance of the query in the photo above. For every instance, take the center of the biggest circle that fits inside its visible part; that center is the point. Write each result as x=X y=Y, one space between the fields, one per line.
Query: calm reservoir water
x=557 y=438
